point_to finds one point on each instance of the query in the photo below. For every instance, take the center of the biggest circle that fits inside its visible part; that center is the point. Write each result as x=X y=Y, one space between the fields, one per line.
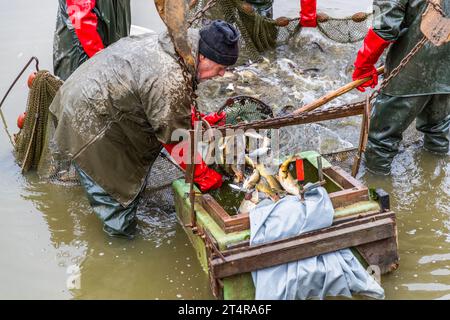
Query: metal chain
x=408 y=57
x=188 y=76
x=400 y=67
x=189 y=79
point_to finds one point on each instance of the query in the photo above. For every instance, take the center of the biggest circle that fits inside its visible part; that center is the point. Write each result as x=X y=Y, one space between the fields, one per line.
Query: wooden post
x=190 y=170
x=304 y=246
x=363 y=137
x=320 y=169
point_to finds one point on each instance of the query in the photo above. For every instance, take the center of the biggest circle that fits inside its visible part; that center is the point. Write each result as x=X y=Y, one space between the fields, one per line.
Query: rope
x=6 y=127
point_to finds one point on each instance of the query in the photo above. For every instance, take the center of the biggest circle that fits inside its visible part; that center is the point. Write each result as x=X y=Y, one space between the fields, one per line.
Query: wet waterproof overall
x=421 y=91
x=84 y=27
x=113 y=114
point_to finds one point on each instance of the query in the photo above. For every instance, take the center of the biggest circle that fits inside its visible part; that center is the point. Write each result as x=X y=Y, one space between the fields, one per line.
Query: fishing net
x=158 y=193
x=164 y=171
x=260 y=32
x=345 y=30
x=343 y=158
x=30 y=140
x=54 y=167
x=245 y=109
x=57 y=169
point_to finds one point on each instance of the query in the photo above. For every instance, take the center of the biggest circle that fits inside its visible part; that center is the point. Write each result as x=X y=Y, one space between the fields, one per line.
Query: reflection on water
x=159 y=263
x=420 y=195
x=46 y=229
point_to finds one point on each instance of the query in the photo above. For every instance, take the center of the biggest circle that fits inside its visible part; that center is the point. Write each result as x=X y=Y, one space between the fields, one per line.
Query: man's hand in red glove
x=212 y=118
x=308 y=13
x=206 y=178
x=361 y=73
x=373 y=47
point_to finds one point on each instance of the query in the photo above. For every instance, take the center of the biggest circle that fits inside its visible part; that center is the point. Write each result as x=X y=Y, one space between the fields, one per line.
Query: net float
x=21 y=120
x=359 y=17
x=31 y=78
x=247 y=7
x=282 y=21
x=322 y=17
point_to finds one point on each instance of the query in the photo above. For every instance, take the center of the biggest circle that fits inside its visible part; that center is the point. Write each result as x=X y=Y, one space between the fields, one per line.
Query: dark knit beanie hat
x=219 y=42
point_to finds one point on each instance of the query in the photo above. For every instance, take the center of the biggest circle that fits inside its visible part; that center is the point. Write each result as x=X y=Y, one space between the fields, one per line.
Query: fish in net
x=245 y=109
x=260 y=32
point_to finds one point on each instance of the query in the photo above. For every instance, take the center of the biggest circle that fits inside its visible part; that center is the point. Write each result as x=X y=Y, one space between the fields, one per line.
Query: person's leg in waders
x=434 y=123
x=118 y=221
x=391 y=116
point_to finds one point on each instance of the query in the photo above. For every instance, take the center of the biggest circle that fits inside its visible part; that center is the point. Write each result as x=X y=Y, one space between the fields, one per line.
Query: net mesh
x=53 y=167
x=260 y=33
x=345 y=30
x=29 y=142
x=58 y=170
x=245 y=109
x=343 y=158
x=159 y=192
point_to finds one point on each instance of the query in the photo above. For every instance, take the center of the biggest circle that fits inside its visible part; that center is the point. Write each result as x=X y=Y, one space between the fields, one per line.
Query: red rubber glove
x=85 y=22
x=373 y=47
x=308 y=13
x=206 y=178
x=212 y=118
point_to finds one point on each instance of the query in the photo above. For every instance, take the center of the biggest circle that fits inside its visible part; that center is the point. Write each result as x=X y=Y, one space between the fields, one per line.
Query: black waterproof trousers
x=391 y=116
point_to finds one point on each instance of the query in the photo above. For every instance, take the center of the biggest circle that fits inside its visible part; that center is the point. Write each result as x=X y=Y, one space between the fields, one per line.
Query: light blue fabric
x=334 y=274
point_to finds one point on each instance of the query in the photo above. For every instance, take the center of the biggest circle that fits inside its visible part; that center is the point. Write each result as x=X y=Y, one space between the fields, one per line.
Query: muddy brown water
x=48 y=233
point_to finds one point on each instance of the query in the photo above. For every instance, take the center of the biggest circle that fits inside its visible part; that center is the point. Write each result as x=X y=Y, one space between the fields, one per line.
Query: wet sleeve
x=85 y=22
x=388 y=19
x=167 y=106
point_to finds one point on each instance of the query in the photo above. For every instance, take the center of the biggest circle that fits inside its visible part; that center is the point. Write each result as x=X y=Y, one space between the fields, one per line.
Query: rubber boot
x=434 y=122
x=390 y=117
x=119 y=221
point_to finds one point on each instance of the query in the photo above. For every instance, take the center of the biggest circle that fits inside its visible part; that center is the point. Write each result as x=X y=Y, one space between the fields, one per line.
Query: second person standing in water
x=85 y=27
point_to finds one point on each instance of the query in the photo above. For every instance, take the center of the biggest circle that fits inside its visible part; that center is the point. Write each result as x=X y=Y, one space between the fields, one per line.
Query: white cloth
x=334 y=274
